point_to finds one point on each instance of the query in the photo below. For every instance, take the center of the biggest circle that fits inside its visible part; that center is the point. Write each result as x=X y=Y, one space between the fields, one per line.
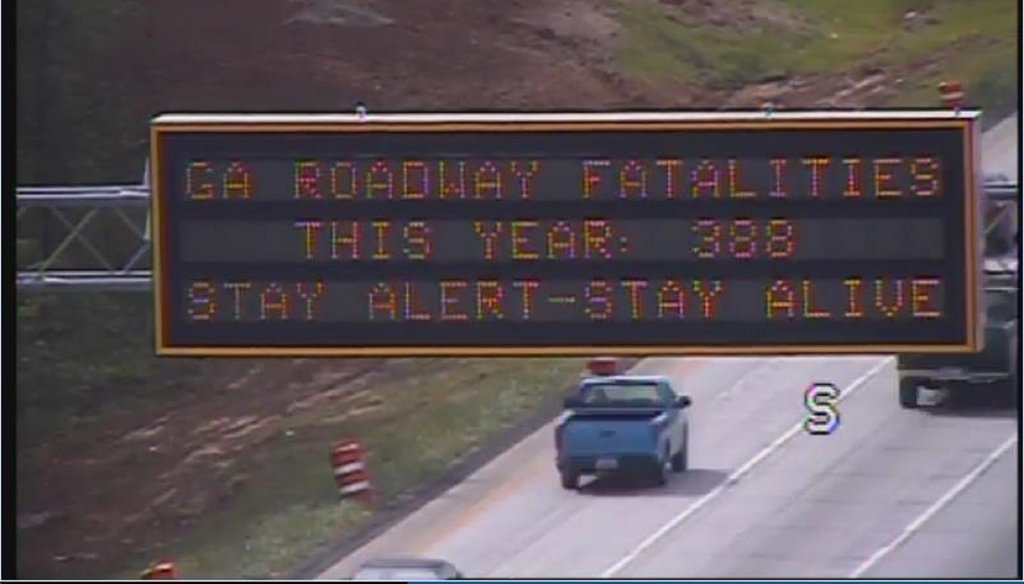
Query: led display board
x=515 y=234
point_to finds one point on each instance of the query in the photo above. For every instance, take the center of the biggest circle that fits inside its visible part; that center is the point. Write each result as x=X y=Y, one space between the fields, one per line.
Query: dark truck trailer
x=997 y=363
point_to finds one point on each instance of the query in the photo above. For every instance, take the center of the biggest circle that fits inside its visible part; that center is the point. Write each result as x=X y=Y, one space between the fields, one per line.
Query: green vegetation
x=86 y=360
x=660 y=45
x=945 y=38
x=425 y=424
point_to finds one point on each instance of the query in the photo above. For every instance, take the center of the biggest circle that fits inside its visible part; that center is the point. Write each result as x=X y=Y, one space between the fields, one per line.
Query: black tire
x=570 y=480
x=661 y=472
x=681 y=459
x=908 y=393
x=1013 y=388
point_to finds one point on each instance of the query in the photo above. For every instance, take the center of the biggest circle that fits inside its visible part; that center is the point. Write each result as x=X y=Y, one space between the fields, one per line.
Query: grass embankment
x=778 y=40
x=417 y=418
x=422 y=425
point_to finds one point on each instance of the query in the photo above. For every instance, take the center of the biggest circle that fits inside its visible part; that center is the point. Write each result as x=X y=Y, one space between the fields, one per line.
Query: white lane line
x=937 y=506
x=733 y=478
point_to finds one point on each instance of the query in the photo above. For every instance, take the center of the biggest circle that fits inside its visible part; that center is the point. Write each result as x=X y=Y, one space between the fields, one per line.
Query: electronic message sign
x=515 y=234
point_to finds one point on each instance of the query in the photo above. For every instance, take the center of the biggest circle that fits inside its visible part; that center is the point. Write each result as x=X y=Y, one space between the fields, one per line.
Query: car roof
x=626 y=379
x=405 y=562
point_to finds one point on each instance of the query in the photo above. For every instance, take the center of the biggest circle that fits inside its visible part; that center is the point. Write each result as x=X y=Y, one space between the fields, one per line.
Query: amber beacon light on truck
x=589 y=233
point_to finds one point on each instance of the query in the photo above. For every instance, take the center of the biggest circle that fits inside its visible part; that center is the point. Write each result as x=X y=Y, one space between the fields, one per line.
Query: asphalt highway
x=1000 y=149
x=762 y=498
x=891 y=493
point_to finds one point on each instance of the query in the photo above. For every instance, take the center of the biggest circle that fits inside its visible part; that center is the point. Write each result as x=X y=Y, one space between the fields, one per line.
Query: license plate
x=606 y=464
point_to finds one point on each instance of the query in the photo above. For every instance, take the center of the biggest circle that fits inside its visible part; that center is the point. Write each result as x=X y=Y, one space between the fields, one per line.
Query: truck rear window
x=624 y=393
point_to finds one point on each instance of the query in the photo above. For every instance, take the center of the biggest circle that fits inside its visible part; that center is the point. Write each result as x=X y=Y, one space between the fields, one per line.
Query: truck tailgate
x=610 y=434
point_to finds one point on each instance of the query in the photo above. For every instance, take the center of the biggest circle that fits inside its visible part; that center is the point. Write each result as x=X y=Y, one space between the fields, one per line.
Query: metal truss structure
x=75 y=262
x=81 y=238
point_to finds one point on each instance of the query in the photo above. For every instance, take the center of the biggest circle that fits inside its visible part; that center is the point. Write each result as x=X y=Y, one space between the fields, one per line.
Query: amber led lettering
x=381 y=299
x=816 y=165
x=525 y=172
x=343 y=180
x=891 y=307
x=198 y=185
x=705 y=179
x=925 y=171
x=449 y=289
x=780 y=297
x=884 y=177
x=922 y=290
x=672 y=175
x=345 y=236
x=708 y=293
x=781 y=238
x=415 y=180
x=735 y=190
x=778 y=172
x=591 y=178
x=238 y=292
x=417 y=240
x=487 y=181
x=599 y=300
x=853 y=177
x=742 y=244
x=310 y=293
x=237 y=182
x=809 y=310
x=379 y=180
x=520 y=240
x=310 y=231
x=596 y=233
x=412 y=310
x=633 y=180
x=381 y=230
x=488 y=233
x=561 y=241
x=526 y=288
x=274 y=300
x=636 y=306
x=854 y=308
x=307 y=180
x=202 y=299
x=452 y=180
x=489 y=298
x=671 y=300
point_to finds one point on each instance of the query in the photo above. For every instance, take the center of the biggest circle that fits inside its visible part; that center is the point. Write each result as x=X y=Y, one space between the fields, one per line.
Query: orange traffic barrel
x=953 y=94
x=161 y=571
x=348 y=462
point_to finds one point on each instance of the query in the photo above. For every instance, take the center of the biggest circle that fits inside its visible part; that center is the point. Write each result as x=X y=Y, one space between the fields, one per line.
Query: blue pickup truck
x=622 y=424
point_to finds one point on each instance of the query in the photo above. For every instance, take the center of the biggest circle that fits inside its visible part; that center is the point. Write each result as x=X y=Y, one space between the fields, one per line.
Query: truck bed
x=599 y=432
